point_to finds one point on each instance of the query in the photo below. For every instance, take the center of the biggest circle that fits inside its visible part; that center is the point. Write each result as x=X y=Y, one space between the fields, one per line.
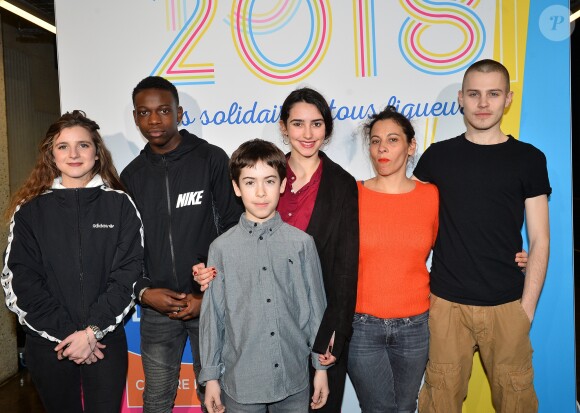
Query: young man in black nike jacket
x=181 y=186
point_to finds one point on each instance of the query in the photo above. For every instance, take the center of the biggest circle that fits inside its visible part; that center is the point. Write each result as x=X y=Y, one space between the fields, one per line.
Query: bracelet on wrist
x=97 y=332
x=89 y=341
x=141 y=293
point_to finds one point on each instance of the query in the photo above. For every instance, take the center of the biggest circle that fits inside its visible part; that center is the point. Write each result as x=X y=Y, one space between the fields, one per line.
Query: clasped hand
x=177 y=306
x=81 y=347
x=202 y=275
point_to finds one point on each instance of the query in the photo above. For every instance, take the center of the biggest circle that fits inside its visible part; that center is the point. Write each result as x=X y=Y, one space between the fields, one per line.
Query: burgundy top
x=296 y=208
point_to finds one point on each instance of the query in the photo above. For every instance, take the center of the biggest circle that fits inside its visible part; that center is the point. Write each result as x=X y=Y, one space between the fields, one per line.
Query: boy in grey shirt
x=260 y=315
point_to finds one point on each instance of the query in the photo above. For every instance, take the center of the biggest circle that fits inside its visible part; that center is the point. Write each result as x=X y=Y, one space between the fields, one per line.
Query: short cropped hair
x=251 y=152
x=156 y=82
x=488 y=66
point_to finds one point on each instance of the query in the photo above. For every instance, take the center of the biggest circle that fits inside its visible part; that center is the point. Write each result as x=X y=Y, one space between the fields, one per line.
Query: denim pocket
x=419 y=319
x=359 y=318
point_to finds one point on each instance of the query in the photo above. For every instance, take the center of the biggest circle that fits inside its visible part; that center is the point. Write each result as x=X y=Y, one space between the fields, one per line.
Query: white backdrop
x=235 y=61
x=106 y=47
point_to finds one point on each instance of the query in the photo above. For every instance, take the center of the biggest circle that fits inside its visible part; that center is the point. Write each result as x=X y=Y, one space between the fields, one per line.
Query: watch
x=97 y=332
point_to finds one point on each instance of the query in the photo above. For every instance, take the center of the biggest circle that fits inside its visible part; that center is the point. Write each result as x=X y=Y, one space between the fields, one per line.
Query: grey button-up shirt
x=260 y=315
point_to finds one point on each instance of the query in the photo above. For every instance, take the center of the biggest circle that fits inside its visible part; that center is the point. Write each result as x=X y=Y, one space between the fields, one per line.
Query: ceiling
x=43 y=9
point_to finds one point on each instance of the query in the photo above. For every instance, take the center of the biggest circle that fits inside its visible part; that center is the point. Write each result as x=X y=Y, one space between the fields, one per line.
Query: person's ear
x=236 y=188
x=509 y=99
x=412 y=147
x=283 y=129
x=283 y=185
x=179 y=114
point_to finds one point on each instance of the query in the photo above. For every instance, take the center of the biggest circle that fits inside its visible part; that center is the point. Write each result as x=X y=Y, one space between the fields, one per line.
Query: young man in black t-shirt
x=480 y=299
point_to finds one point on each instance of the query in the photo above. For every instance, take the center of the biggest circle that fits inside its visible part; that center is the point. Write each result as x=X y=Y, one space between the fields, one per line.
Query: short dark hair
x=488 y=66
x=390 y=112
x=156 y=82
x=251 y=152
x=313 y=97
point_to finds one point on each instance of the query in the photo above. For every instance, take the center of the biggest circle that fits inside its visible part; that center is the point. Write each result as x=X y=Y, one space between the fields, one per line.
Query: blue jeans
x=387 y=360
x=296 y=403
x=162 y=344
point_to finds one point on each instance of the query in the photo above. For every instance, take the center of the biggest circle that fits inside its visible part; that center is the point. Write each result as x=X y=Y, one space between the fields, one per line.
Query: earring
x=285 y=139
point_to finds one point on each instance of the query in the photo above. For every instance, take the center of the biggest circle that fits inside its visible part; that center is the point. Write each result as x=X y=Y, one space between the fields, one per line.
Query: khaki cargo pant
x=501 y=334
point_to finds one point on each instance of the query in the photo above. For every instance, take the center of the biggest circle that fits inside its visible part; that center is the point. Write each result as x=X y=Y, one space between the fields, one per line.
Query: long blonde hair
x=45 y=171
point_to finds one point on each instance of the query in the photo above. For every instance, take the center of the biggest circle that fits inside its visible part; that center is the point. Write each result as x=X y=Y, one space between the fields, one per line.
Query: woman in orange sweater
x=398 y=220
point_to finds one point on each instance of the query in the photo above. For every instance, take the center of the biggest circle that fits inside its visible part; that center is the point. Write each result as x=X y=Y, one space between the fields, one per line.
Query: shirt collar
x=260 y=229
x=291 y=177
x=94 y=182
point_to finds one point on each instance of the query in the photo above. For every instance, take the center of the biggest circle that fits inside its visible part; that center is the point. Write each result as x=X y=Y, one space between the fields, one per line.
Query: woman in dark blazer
x=321 y=198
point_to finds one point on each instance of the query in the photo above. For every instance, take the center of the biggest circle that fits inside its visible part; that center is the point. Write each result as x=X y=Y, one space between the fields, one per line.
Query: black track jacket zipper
x=173 y=265
x=84 y=310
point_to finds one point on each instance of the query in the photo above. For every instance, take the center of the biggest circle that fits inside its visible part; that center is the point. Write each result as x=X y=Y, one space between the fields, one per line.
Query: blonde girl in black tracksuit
x=75 y=251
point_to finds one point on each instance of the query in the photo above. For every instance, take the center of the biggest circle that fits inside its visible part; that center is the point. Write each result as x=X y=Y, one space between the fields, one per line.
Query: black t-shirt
x=482 y=189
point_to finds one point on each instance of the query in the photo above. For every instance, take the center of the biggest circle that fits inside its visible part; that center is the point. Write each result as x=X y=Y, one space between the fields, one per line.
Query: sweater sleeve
x=114 y=304
x=144 y=281
x=312 y=274
x=25 y=284
x=341 y=293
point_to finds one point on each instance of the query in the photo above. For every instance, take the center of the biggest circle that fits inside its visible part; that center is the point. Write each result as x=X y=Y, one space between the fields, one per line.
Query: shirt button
x=272 y=333
x=261 y=238
x=276 y=365
x=250 y=232
x=264 y=268
x=289 y=214
x=255 y=224
x=268 y=300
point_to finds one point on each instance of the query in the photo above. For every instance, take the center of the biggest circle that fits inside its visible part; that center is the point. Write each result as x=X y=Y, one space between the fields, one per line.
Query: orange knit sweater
x=397 y=232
